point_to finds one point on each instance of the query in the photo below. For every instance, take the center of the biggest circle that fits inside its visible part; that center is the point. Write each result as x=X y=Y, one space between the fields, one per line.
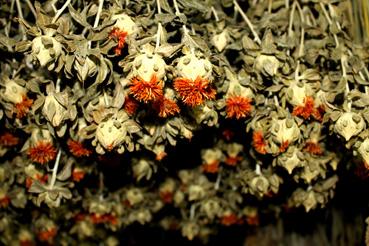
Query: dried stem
x=215 y=14
x=158 y=33
x=292 y=14
x=176 y=7
x=30 y=5
x=60 y=11
x=302 y=39
x=99 y=10
x=55 y=170
x=20 y=13
x=248 y=22
x=217 y=182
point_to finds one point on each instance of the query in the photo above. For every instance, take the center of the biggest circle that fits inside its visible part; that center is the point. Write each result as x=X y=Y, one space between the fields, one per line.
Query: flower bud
x=46 y=49
x=109 y=134
x=124 y=22
x=349 y=124
x=14 y=92
x=191 y=67
x=54 y=111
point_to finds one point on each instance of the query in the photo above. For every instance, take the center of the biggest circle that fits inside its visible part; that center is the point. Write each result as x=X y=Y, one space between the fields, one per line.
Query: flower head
x=229 y=219
x=42 y=152
x=78 y=174
x=166 y=107
x=8 y=140
x=313 y=148
x=238 y=107
x=77 y=149
x=194 y=92
x=212 y=167
x=120 y=37
x=47 y=235
x=258 y=142
x=22 y=108
x=307 y=109
x=146 y=90
x=130 y=105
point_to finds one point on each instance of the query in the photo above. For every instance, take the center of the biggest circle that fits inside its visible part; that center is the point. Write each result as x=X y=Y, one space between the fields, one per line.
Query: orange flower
x=120 y=37
x=103 y=218
x=42 y=178
x=77 y=149
x=130 y=105
x=160 y=156
x=284 y=146
x=22 y=108
x=307 y=110
x=238 y=107
x=193 y=93
x=4 y=201
x=166 y=107
x=78 y=174
x=211 y=167
x=253 y=220
x=8 y=140
x=42 y=152
x=146 y=90
x=166 y=196
x=258 y=142
x=47 y=235
x=313 y=148
x=229 y=219
x=232 y=161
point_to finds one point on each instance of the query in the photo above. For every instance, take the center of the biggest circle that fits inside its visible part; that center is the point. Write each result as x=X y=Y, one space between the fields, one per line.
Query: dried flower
x=238 y=107
x=308 y=109
x=8 y=140
x=194 y=92
x=146 y=91
x=130 y=105
x=212 y=167
x=42 y=152
x=166 y=107
x=120 y=37
x=78 y=174
x=258 y=142
x=229 y=219
x=77 y=149
x=22 y=108
x=313 y=148
x=47 y=235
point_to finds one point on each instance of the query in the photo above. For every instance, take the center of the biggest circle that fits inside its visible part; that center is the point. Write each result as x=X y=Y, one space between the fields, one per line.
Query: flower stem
x=248 y=22
x=60 y=11
x=99 y=10
x=30 y=5
x=55 y=170
x=20 y=12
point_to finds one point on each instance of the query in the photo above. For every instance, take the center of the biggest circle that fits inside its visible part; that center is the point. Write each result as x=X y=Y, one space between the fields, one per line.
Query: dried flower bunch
x=87 y=82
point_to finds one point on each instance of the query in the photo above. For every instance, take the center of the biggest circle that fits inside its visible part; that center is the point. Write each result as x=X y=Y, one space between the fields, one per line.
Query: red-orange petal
x=146 y=91
x=313 y=148
x=229 y=220
x=238 y=107
x=8 y=140
x=42 y=152
x=194 y=93
x=120 y=36
x=22 y=108
x=166 y=107
x=130 y=105
x=210 y=167
x=77 y=149
x=258 y=142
